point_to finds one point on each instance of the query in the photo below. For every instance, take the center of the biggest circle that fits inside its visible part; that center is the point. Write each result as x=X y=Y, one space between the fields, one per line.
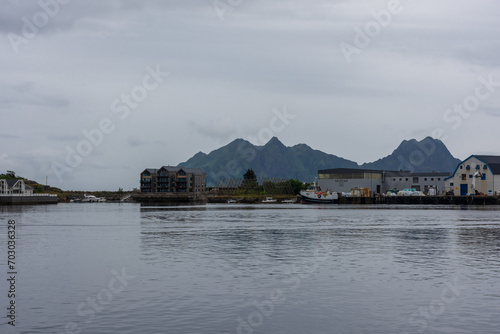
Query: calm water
x=123 y=268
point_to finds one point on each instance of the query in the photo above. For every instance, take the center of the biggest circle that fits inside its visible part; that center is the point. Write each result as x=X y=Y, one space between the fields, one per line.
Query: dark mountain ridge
x=301 y=162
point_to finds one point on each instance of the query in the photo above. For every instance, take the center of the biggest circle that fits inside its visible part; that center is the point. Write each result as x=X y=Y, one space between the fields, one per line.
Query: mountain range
x=302 y=162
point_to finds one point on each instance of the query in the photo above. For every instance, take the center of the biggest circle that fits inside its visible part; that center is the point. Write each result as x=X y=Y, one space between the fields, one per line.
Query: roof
x=12 y=182
x=387 y=172
x=348 y=170
x=493 y=162
x=175 y=169
x=195 y=171
x=171 y=169
x=410 y=174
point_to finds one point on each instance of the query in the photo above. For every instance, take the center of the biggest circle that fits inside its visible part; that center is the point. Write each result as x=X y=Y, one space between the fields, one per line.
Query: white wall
x=482 y=186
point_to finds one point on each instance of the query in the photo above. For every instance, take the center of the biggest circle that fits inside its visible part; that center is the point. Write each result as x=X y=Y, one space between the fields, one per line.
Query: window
x=147 y=174
x=439 y=179
x=425 y=179
x=483 y=177
x=461 y=167
x=464 y=177
x=468 y=167
x=485 y=167
x=394 y=179
x=406 y=179
x=415 y=179
x=432 y=179
x=470 y=176
x=400 y=179
x=478 y=167
x=451 y=184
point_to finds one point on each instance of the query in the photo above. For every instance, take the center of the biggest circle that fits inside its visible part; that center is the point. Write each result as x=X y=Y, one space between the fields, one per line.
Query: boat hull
x=318 y=199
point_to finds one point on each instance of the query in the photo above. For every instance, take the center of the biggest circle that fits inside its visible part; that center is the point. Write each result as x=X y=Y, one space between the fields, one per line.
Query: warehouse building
x=379 y=181
x=478 y=174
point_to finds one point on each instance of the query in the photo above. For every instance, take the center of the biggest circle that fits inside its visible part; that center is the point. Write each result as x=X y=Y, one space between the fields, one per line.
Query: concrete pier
x=16 y=199
x=432 y=200
x=193 y=198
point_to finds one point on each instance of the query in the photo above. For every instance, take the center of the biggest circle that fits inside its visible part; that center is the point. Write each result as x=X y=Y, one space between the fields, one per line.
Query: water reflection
x=199 y=269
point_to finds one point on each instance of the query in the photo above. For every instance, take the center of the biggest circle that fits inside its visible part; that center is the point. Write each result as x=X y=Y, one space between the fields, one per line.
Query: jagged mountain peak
x=426 y=155
x=273 y=159
x=200 y=155
x=275 y=142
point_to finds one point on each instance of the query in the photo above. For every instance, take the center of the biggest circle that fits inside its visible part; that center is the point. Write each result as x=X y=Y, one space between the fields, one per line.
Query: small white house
x=14 y=186
x=476 y=174
x=3 y=187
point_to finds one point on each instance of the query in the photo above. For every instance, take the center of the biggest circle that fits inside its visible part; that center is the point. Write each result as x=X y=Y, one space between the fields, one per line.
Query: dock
x=422 y=200
x=170 y=198
x=23 y=199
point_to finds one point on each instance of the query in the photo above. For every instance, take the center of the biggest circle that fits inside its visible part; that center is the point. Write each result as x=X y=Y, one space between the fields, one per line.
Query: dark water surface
x=126 y=268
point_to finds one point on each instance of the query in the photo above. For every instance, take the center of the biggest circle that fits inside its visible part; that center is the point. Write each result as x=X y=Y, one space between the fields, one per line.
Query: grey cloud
x=226 y=77
x=135 y=141
x=60 y=137
x=26 y=93
x=63 y=17
x=219 y=129
x=495 y=112
x=9 y=136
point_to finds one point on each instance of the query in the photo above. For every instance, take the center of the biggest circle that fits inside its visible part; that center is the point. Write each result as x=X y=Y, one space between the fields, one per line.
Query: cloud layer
x=66 y=63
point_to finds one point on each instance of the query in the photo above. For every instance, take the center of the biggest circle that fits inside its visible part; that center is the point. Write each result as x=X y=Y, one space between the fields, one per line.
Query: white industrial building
x=478 y=174
x=380 y=181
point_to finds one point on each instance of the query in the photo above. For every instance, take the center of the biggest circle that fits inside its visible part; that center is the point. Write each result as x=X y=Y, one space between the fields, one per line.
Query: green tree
x=250 y=180
x=297 y=186
x=250 y=175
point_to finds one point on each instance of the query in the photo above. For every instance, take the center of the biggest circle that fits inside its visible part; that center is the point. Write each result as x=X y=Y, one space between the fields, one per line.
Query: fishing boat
x=92 y=199
x=269 y=200
x=314 y=194
x=289 y=201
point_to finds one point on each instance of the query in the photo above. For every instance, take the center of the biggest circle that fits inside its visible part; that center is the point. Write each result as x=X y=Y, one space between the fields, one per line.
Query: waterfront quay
x=203 y=198
x=24 y=199
x=432 y=200
x=174 y=198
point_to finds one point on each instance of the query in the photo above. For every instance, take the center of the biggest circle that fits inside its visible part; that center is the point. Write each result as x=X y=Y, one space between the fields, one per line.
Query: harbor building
x=478 y=174
x=169 y=179
x=342 y=180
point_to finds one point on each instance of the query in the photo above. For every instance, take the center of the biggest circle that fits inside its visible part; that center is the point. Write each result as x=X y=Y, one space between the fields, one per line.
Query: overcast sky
x=94 y=92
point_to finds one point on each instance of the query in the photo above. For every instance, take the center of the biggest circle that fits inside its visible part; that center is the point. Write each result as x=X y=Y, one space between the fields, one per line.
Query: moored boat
x=289 y=201
x=92 y=199
x=314 y=195
x=269 y=200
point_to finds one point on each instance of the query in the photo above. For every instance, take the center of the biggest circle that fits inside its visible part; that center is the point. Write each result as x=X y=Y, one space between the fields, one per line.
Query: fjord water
x=127 y=268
